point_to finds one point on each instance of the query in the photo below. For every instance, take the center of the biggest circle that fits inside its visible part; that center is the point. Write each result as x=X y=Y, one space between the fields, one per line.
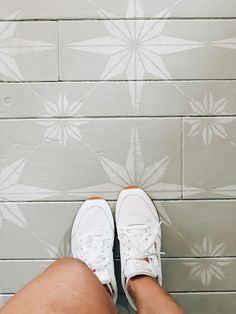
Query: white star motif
x=61 y=129
x=11 y=46
x=209 y=127
x=207 y=269
x=11 y=190
x=135 y=172
x=135 y=47
x=229 y=43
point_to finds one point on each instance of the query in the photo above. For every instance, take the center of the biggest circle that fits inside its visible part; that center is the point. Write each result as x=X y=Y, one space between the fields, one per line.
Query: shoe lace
x=138 y=242
x=92 y=250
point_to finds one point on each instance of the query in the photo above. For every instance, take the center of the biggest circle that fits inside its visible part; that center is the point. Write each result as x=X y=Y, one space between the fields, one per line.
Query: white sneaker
x=139 y=232
x=92 y=240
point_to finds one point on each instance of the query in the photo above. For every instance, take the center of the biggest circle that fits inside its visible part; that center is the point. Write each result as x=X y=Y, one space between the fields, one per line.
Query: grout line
x=183 y=292
x=58 y=51
x=182 y=159
x=4 y=260
x=202 y=291
x=116 y=259
x=171 y=258
x=60 y=19
x=125 y=81
x=197 y=257
x=114 y=200
x=117 y=117
x=187 y=292
x=192 y=258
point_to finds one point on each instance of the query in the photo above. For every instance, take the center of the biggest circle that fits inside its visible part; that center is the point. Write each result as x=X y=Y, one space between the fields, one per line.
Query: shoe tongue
x=135 y=267
x=138 y=266
x=103 y=275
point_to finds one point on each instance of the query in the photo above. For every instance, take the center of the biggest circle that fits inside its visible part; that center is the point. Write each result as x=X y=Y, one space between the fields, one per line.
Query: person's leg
x=68 y=286
x=151 y=298
x=84 y=284
x=139 y=233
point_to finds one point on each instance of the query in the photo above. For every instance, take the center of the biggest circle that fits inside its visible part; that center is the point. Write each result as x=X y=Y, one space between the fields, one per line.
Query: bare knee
x=72 y=279
x=69 y=262
x=69 y=267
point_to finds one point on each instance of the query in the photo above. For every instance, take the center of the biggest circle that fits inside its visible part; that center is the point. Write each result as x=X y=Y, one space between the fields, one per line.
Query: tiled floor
x=96 y=95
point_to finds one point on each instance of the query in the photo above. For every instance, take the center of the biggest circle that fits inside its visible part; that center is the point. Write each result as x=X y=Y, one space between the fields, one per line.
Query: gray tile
x=202 y=8
x=122 y=304
x=100 y=8
x=193 y=303
x=209 y=157
x=87 y=156
x=198 y=228
x=182 y=49
x=28 y=51
x=16 y=274
x=4 y=298
x=199 y=274
x=147 y=98
x=194 y=274
x=27 y=230
x=31 y=224
x=214 y=274
x=207 y=303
